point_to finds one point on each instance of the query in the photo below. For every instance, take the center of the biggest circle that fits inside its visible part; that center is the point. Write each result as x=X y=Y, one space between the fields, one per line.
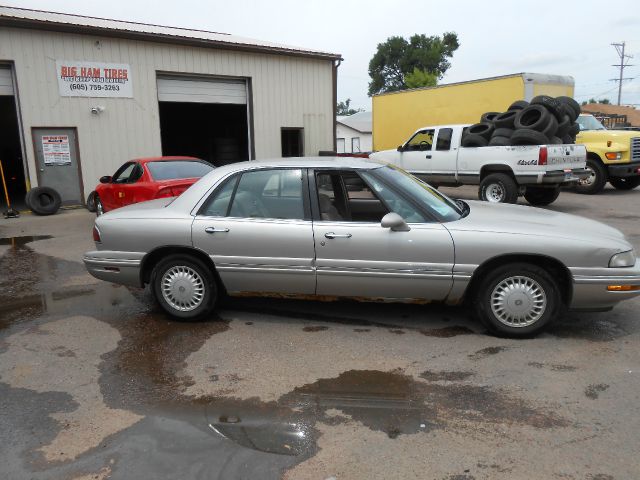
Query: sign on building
x=55 y=150
x=92 y=79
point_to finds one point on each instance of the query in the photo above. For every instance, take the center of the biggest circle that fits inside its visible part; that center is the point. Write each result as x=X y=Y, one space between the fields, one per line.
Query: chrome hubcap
x=182 y=288
x=99 y=208
x=590 y=179
x=495 y=193
x=518 y=301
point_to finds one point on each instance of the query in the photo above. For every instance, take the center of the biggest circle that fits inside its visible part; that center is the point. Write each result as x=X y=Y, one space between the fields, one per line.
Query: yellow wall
x=396 y=116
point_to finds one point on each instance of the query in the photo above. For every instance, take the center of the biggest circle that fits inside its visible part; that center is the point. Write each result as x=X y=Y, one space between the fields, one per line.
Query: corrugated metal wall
x=286 y=92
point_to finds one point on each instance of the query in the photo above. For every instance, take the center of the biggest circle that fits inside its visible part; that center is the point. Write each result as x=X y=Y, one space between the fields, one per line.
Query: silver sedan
x=344 y=227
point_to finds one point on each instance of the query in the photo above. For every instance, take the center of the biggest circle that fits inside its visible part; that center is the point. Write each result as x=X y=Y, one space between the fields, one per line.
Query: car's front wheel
x=518 y=300
x=184 y=287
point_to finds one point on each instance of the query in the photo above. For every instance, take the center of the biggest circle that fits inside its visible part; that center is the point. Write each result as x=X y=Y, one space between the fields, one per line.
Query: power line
x=623 y=63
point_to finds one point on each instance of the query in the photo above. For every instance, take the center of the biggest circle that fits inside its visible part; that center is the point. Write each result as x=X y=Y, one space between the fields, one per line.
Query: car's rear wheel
x=518 y=300
x=624 y=183
x=184 y=287
x=98 y=205
x=498 y=188
x=540 y=196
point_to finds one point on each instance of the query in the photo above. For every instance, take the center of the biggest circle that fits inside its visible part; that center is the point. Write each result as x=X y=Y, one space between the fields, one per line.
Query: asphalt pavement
x=97 y=383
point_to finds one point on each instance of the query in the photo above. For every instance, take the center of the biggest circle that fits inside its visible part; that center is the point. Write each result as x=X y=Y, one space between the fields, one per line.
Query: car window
x=218 y=203
x=176 y=169
x=396 y=202
x=123 y=173
x=269 y=194
x=423 y=140
x=345 y=196
x=444 y=139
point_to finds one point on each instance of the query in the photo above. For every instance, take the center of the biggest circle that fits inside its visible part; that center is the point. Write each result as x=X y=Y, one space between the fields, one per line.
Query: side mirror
x=395 y=222
x=400 y=148
x=105 y=179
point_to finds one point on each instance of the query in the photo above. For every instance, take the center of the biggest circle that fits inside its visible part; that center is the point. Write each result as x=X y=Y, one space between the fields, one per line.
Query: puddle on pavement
x=20 y=241
x=447 y=332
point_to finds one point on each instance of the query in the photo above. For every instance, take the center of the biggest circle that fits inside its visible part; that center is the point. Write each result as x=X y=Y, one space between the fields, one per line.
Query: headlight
x=623 y=259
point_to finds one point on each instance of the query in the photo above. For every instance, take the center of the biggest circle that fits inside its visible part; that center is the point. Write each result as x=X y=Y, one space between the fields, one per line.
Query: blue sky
x=497 y=37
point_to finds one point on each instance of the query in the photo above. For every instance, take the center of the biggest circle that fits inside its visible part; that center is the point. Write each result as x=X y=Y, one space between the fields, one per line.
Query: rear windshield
x=176 y=169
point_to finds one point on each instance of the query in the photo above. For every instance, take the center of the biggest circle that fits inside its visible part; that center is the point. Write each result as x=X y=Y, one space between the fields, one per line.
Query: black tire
x=43 y=200
x=574 y=129
x=525 y=136
x=202 y=276
x=91 y=202
x=518 y=105
x=488 y=310
x=555 y=140
x=596 y=182
x=505 y=120
x=552 y=128
x=471 y=140
x=573 y=109
x=498 y=188
x=503 y=132
x=488 y=117
x=551 y=104
x=99 y=206
x=484 y=129
x=568 y=139
x=540 y=197
x=498 y=141
x=534 y=117
x=563 y=126
x=624 y=183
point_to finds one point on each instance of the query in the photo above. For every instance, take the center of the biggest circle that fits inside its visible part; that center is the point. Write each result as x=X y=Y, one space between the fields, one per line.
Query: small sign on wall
x=55 y=150
x=93 y=79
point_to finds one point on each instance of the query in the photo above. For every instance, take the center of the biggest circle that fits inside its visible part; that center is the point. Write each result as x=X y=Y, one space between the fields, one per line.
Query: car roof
x=307 y=162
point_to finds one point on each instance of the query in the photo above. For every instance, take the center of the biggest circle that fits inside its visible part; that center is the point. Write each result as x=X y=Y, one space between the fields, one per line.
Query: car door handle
x=428 y=156
x=337 y=235
x=216 y=230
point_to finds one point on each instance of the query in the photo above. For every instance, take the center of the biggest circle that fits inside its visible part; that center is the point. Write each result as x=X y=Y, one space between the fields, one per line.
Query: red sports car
x=145 y=179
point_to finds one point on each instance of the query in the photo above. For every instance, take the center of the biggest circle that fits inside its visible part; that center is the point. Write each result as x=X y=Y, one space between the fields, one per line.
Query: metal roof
x=44 y=20
x=360 y=121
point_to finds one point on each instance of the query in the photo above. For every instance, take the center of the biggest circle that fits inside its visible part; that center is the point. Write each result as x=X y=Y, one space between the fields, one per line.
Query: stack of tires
x=543 y=121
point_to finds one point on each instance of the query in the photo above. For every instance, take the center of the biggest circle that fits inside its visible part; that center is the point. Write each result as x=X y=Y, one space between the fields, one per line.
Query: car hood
x=521 y=219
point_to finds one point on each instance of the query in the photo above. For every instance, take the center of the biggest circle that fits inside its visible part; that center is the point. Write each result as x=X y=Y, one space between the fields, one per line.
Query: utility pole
x=623 y=63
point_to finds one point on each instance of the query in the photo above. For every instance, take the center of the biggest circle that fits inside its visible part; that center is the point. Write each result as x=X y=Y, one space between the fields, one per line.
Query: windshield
x=422 y=195
x=176 y=169
x=589 y=122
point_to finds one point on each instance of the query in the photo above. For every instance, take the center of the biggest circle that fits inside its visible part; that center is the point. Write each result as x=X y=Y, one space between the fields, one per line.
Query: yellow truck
x=612 y=156
x=398 y=114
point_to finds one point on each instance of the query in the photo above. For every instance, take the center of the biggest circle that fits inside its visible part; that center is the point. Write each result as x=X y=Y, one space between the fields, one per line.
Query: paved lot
x=96 y=383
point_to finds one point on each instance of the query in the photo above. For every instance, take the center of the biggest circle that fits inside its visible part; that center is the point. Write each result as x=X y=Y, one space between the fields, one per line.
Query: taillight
x=542 y=156
x=165 y=192
x=96 y=235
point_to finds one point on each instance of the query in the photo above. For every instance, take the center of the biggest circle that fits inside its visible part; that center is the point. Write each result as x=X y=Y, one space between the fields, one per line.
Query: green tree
x=397 y=57
x=605 y=101
x=345 y=109
x=420 y=78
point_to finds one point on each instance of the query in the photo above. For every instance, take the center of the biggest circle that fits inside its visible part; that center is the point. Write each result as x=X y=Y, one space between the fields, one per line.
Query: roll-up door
x=197 y=90
x=6 y=81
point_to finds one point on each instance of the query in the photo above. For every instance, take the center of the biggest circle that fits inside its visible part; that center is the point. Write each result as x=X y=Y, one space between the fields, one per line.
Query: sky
x=496 y=37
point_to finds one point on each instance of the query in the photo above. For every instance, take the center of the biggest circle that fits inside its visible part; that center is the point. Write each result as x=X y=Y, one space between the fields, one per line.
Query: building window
x=355 y=144
x=340 y=145
x=292 y=145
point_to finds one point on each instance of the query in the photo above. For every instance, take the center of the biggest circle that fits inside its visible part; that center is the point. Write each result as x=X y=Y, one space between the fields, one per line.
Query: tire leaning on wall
x=43 y=200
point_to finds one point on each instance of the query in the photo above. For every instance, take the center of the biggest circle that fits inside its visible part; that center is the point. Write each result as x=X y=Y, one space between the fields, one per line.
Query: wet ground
x=97 y=383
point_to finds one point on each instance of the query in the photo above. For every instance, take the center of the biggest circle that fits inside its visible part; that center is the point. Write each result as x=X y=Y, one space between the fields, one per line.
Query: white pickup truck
x=434 y=154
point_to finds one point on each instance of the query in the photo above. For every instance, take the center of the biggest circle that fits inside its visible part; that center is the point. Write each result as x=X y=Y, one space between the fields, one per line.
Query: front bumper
x=590 y=286
x=117 y=267
x=631 y=169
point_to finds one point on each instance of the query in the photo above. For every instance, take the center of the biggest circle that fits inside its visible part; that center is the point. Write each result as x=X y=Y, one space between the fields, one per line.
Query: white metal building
x=353 y=133
x=81 y=95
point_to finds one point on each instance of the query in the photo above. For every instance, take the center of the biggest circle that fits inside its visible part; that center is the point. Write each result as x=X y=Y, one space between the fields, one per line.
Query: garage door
x=6 y=81
x=197 y=90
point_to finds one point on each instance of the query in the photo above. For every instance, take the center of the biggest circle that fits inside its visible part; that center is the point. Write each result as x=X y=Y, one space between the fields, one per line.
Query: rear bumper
x=624 y=170
x=122 y=268
x=554 y=177
x=590 y=286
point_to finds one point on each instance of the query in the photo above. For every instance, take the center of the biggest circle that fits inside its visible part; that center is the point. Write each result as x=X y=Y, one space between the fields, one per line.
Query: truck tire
x=498 y=188
x=498 y=141
x=518 y=105
x=555 y=140
x=534 y=117
x=489 y=117
x=552 y=128
x=483 y=129
x=574 y=129
x=574 y=107
x=505 y=120
x=525 y=136
x=551 y=104
x=563 y=126
x=472 y=140
x=540 y=197
x=567 y=139
x=43 y=200
x=596 y=180
x=503 y=132
x=624 y=183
